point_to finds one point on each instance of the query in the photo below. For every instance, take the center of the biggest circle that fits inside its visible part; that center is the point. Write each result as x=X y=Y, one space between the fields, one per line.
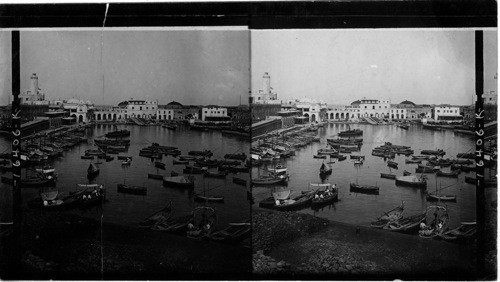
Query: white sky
x=340 y=66
x=188 y=66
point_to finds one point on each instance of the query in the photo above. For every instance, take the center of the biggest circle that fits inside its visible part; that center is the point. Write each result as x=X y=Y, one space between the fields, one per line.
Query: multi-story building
x=372 y=108
x=214 y=113
x=82 y=111
x=446 y=113
x=165 y=113
x=240 y=115
x=140 y=108
x=342 y=113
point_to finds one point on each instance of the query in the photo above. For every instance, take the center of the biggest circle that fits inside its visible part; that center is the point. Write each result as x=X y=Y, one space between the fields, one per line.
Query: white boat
x=278 y=169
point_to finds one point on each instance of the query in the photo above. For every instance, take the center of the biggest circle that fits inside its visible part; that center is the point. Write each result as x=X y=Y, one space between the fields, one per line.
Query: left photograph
x=134 y=153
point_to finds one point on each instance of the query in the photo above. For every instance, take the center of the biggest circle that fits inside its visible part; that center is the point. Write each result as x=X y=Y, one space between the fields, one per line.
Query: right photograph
x=363 y=153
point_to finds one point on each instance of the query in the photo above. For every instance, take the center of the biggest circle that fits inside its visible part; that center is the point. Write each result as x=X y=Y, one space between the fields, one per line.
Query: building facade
x=214 y=113
x=34 y=96
x=372 y=108
x=446 y=113
x=266 y=95
x=139 y=108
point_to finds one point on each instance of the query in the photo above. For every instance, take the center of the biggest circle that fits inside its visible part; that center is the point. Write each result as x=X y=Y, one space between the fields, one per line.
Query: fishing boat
x=92 y=171
x=465 y=232
x=352 y=132
x=404 y=126
x=177 y=225
x=176 y=162
x=294 y=203
x=173 y=173
x=416 y=161
x=179 y=181
x=126 y=162
x=204 y=153
x=388 y=175
x=325 y=169
x=411 y=180
x=134 y=190
x=426 y=169
x=46 y=170
x=91 y=195
x=203 y=223
x=269 y=180
x=160 y=165
x=389 y=216
x=326 y=151
x=436 y=222
x=392 y=164
x=239 y=181
x=341 y=158
x=124 y=158
x=325 y=194
x=161 y=215
x=278 y=169
x=441 y=197
x=234 y=233
x=186 y=158
x=406 y=224
x=420 y=157
x=241 y=156
x=358 y=162
x=118 y=134
x=319 y=156
x=357 y=157
x=194 y=169
x=453 y=174
x=87 y=157
x=215 y=174
x=438 y=152
x=406 y=173
x=365 y=189
x=169 y=126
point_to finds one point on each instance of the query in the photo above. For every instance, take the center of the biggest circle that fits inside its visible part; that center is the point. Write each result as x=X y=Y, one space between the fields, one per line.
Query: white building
x=139 y=108
x=266 y=95
x=80 y=110
x=398 y=113
x=342 y=113
x=34 y=96
x=372 y=108
x=165 y=113
x=446 y=113
x=214 y=113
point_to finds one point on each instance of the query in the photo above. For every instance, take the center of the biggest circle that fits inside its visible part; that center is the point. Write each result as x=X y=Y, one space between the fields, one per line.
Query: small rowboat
x=325 y=169
x=365 y=189
x=215 y=174
x=411 y=180
x=406 y=224
x=234 y=233
x=319 y=156
x=466 y=231
x=155 y=176
x=440 y=197
x=417 y=161
x=388 y=175
x=160 y=165
x=161 y=215
x=174 y=225
x=392 y=164
x=134 y=190
x=324 y=197
x=175 y=162
x=179 y=181
x=406 y=173
x=294 y=203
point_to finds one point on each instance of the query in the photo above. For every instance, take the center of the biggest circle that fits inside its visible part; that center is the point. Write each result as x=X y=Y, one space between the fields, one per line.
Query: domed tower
x=267 y=83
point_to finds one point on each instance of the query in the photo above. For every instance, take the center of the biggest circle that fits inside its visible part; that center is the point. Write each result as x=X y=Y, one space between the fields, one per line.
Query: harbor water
x=129 y=209
x=361 y=209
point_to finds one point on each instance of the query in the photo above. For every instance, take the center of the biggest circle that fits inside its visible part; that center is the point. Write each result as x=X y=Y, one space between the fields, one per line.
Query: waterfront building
x=139 y=108
x=372 y=108
x=419 y=112
x=110 y=113
x=342 y=113
x=288 y=117
x=240 y=114
x=266 y=126
x=164 y=113
x=397 y=112
x=446 y=113
x=262 y=111
x=80 y=110
x=266 y=95
x=214 y=113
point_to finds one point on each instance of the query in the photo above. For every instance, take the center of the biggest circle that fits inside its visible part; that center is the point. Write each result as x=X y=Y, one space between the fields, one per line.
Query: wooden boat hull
x=364 y=189
x=155 y=176
x=239 y=181
x=134 y=190
x=387 y=175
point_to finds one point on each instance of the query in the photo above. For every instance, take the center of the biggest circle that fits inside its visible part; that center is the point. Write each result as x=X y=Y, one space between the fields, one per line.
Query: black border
x=257 y=15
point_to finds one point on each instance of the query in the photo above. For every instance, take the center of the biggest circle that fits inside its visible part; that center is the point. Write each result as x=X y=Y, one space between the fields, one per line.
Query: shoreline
x=292 y=245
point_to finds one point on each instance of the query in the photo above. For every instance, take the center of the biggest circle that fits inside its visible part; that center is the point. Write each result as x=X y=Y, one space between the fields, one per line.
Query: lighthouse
x=34 y=84
x=267 y=83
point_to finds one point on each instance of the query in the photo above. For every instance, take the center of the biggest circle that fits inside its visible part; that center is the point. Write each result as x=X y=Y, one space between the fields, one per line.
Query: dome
x=73 y=101
x=356 y=102
x=174 y=103
x=406 y=102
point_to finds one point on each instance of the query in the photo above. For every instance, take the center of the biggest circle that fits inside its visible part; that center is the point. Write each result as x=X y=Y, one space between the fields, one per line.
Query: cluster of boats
x=200 y=224
x=85 y=196
x=317 y=196
x=431 y=223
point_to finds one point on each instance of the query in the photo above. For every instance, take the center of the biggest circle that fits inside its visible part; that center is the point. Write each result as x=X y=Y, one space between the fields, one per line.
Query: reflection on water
x=361 y=209
x=130 y=209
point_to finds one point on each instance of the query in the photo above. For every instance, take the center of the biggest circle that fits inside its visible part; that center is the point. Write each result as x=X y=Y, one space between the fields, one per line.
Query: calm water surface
x=361 y=209
x=130 y=209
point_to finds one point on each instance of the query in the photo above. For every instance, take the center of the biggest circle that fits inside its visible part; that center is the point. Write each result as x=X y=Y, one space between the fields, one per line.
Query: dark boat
x=179 y=181
x=239 y=181
x=353 y=132
x=175 y=162
x=438 y=152
x=389 y=216
x=160 y=165
x=411 y=180
x=124 y=158
x=161 y=215
x=388 y=175
x=134 y=190
x=436 y=222
x=269 y=180
x=440 y=197
x=92 y=171
x=324 y=197
x=406 y=173
x=365 y=189
x=169 y=126
x=465 y=232
x=173 y=173
x=240 y=157
x=118 y=134
x=404 y=126
x=319 y=156
x=193 y=169
x=176 y=225
x=471 y=156
x=294 y=203
x=87 y=157
x=416 y=161
x=234 y=233
x=392 y=164
x=205 y=153
x=155 y=176
x=325 y=169
x=406 y=224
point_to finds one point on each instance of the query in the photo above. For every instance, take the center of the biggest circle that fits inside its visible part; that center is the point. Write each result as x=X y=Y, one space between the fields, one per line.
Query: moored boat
x=161 y=215
x=411 y=180
x=179 y=181
x=406 y=224
x=325 y=169
x=92 y=171
x=453 y=174
x=366 y=189
x=130 y=189
x=389 y=216
x=324 y=196
x=388 y=175
x=239 y=181
x=465 y=232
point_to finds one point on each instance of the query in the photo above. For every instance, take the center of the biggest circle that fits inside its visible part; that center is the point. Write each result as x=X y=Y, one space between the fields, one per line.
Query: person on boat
x=321 y=196
x=190 y=226
x=316 y=196
x=45 y=203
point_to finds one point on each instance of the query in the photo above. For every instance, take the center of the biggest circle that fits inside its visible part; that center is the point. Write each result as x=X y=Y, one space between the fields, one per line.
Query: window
x=373 y=107
x=132 y=107
x=140 y=108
